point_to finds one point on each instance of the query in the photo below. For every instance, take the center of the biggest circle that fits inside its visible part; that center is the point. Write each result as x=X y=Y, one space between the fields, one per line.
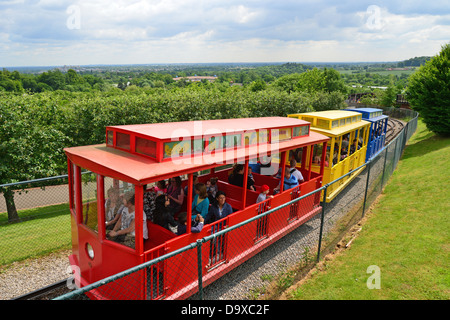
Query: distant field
x=381 y=73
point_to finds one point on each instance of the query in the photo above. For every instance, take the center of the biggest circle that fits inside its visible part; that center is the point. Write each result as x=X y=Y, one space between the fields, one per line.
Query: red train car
x=135 y=157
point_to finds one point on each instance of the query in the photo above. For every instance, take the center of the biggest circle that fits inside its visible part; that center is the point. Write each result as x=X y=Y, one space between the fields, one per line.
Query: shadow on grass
x=40 y=213
x=430 y=144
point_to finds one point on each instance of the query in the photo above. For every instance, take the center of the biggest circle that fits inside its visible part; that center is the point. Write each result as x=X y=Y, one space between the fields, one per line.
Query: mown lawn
x=406 y=235
x=47 y=230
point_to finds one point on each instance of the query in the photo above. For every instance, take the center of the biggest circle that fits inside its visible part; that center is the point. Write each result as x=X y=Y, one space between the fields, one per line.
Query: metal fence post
x=367 y=188
x=324 y=203
x=384 y=166
x=199 y=265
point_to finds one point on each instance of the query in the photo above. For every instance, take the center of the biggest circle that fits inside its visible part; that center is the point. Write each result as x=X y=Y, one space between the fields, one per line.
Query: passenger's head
x=287 y=172
x=161 y=184
x=175 y=181
x=200 y=189
x=220 y=197
x=182 y=217
x=128 y=198
x=238 y=169
x=293 y=163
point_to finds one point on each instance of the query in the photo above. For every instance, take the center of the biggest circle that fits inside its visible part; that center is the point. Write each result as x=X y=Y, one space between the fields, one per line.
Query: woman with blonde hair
x=200 y=205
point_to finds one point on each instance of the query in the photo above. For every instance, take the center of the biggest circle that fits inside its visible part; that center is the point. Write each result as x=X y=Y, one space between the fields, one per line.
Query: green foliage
x=429 y=92
x=312 y=81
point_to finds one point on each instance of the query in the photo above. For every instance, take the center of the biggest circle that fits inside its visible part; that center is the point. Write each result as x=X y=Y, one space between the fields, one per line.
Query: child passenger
x=264 y=193
x=196 y=227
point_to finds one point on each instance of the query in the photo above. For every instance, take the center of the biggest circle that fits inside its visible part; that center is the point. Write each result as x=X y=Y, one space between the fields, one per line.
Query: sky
x=79 y=32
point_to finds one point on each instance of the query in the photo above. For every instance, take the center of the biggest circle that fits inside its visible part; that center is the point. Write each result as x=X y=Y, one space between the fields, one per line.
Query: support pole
x=324 y=203
x=189 y=202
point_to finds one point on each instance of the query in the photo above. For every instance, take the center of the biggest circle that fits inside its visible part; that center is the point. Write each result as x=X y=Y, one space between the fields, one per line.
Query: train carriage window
x=309 y=119
x=73 y=192
x=123 y=140
x=177 y=148
x=89 y=200
x=263 y=136
x=335 y=124
x=110 y=138
x=115 y=210
x=233 y=140
x=146 y=147
x=342 y=122
x=214 y=143
x=337 y=150
x=322 y=123
x=198 y=145
x=317 y=155
x=305 y=130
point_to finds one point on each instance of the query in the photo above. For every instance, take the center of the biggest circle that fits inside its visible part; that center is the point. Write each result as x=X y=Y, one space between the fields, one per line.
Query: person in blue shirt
x=220 y=209
x=200 y=204
x=290 y=181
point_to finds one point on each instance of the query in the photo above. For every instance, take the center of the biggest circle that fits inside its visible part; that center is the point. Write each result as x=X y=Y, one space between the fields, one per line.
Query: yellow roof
x=341 y=130
x=329 y=114
x=334 y=115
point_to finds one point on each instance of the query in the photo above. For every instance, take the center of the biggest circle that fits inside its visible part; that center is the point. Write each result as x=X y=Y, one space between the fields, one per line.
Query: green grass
x=406 y=235
x=44 y=230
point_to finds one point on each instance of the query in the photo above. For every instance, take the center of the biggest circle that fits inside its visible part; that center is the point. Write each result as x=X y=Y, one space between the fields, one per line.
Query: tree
x=29 y=144
x=429 y=92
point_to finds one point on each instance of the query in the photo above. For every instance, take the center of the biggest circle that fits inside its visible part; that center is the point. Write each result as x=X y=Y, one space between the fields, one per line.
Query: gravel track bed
x=22 y=277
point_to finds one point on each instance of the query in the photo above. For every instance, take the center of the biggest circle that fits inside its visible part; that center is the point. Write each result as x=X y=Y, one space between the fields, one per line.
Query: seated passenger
x=354 y=146
x=161 y=187
x=294 y=171
x=161 y=215
x=176 y=195
x=194 y=182
x=195 y=227
x=124 y=229
x=343 y=153
x=200 y=204
x=113 y=208
x=149 y=202
x=264 y=193
x=219 y=209
x=212 y=188
x=237 y=177
x=256 y=166
x=290 y=181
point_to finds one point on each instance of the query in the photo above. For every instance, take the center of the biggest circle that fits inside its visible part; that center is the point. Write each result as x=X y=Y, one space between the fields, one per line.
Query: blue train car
x=378 y=127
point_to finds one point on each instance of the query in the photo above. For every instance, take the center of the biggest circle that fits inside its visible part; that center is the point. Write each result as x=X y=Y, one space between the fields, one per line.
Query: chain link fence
x=273 y=260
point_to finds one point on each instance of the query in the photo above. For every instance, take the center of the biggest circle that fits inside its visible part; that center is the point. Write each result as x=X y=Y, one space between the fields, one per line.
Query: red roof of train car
x=138 y=169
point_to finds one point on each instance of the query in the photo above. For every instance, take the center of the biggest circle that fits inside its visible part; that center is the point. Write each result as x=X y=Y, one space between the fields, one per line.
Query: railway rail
x=393 y=129
x=48 y=292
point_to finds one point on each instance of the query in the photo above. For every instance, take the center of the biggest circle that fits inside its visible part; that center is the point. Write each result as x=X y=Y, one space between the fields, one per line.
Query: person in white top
x=295 y=172
x=124 y=229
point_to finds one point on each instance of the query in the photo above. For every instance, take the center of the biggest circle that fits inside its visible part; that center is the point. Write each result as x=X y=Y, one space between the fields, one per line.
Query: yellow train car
x=346 y=149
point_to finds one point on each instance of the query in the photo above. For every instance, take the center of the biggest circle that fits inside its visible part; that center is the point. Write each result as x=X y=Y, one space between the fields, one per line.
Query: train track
x=394 y=127
x=46 y=293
